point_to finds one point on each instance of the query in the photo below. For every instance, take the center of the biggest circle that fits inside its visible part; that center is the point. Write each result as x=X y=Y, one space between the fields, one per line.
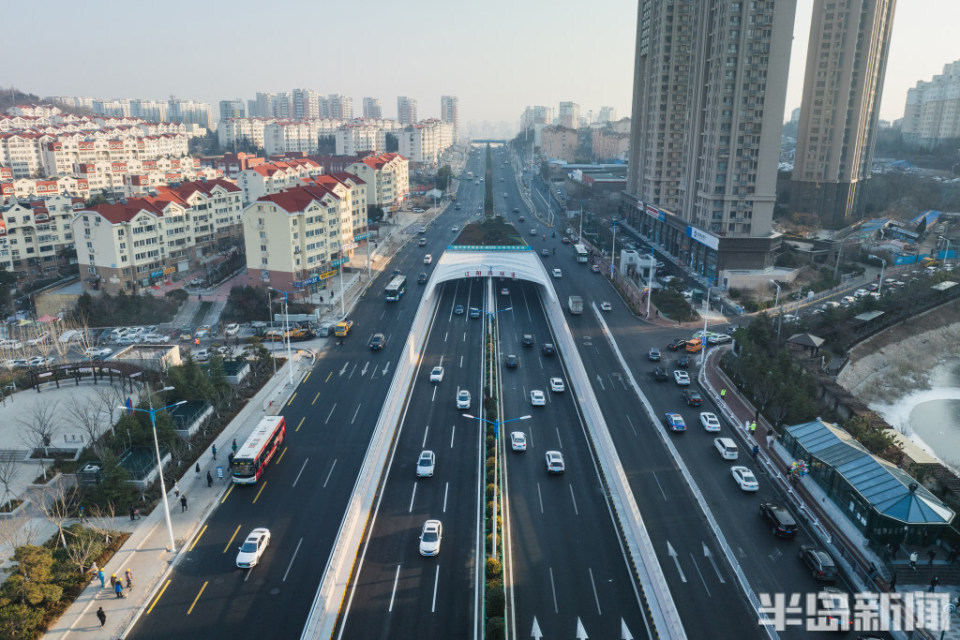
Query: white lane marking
x=540 y=497
x=700 y=573
x=446 y=335
x=446 y=490
x=393 y=594
x=412 y=496
x=436 y=581
x=297 y=479
x=660 y=486
x=434 y=397
x=426 y=430
x=596 y=597
x=573 y=498
x=559 y=440
x=355 y=414
x=453 y=430
x=330 y=414
x=352 y=371
x=294 y=557
x=632 y=427
x=673 y=554
x=461 y=362
x=553 y=589
x=329 y=473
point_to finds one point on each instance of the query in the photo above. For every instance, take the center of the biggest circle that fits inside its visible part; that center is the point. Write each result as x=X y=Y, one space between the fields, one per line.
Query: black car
x=422 y=278
x=378 y=342
x=547 y=349
x=778 y=517
x=511 y=361
x=458 y=310
x=683 y=362
x=660 y=374
x=527 y=340
x=676 y=343
x=692 y=397
x=458 y=207
x=521 y=219
x=821 y=565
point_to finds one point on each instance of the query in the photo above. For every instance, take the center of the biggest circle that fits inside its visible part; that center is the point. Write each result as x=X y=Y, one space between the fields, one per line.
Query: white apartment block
x=425 y=142
x=304 y=104
x=387 y=177
x=61 y=155
x=236 y=130
x=536 y=115
x=339 y=107
x=33 y=234
x=353 y=139
x=34 y=110
x=932 y=111
x=450 y=113
x=20 y=151
x=273 y=177
x=372 y=108
x=569 y=115
x=296 y=238
x=406 y=110
x=28 y=188
x=132 y=244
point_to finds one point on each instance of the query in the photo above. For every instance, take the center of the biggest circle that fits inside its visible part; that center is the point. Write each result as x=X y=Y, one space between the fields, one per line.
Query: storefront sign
x=703 y=238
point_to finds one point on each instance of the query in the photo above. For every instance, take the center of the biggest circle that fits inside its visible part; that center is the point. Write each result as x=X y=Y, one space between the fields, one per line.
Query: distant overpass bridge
x=483 y=143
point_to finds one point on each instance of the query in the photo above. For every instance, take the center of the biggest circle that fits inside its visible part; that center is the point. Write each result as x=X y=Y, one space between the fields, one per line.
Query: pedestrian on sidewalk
x=234 y=445
x=103 y=578
x=214 y=452
x=229 y=459
x=113 y=581
x=129 y=575
x=753 y=427
x=209 y=479
x=176 y=489
x=198 y=471
x=931 y=554
x=118 y=589
x=723 y=394
x=102 y=617
x=755 y=451
x=934 y=581
x=183 y=503
x=913 y=560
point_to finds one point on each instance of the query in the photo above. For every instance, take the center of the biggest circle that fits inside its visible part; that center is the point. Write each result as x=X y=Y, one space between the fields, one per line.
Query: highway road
x=303 y=495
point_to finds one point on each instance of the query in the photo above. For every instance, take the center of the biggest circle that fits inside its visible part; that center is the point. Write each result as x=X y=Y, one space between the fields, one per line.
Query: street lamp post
x=156 y=446
x=883 y=265
x=776 y=302
x=613 y=250
x=496 y=431
x=703 y=340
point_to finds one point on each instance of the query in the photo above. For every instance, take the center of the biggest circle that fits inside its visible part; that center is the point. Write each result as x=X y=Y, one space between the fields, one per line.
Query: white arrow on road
x=709 y=556
x=386 y=368
x=363 y=371
x=581 y=632
x=344 y=370
x=600 y=382
x=624 y=632
x=535 y=632
x=673 y=554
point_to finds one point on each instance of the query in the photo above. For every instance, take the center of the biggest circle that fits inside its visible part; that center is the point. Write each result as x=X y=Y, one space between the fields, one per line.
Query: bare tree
x=87 y=414
x=39 y=427
x=55 y=501
x=101 y=520
x=81 y=551
x=109 y=397
x=20 y=530
x=10 y=469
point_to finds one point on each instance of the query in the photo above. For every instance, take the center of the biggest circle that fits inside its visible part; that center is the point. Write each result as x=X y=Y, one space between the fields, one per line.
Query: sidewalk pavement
x=827 y=520
x=147 y=552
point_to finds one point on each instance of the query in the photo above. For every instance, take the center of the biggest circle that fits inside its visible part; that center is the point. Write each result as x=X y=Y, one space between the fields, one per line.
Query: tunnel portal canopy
x=513 y=262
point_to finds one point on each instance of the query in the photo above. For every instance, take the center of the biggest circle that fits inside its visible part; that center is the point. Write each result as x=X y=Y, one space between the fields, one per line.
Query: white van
x=726 y=447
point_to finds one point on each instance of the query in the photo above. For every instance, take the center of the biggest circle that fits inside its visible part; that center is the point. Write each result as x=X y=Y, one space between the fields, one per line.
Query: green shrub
x=494 y=569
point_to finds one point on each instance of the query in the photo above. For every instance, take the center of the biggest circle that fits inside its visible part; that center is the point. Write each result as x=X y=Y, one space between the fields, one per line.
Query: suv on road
x=778 y=517
x=527 y=340
x=692 y=397
x=821 y=565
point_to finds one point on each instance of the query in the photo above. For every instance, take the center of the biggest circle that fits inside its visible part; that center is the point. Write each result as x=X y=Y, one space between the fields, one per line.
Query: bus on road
x=396 y=288
x=251 y=459
x=581 y=252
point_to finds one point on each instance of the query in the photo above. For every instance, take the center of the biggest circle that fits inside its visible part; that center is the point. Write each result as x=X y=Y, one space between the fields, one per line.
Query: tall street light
x=883 y=265
x=776 y=302
x=156 y=447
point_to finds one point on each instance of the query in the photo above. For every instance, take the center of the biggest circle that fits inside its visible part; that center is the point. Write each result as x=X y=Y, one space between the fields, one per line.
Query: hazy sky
x=496 y=56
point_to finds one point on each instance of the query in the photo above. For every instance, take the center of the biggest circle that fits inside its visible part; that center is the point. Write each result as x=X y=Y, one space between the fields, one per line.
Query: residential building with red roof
x=387 y=177
x=136 y=242
x=34 y=234
x=273 y=177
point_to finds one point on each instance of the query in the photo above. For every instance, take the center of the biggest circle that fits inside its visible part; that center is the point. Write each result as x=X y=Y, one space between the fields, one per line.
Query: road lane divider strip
x=200 y=593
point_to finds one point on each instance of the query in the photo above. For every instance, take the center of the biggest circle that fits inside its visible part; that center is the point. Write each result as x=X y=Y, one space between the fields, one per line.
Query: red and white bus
x=252 y=458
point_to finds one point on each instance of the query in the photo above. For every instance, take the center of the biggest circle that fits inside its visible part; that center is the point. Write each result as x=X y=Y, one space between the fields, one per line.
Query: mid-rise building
x=406 y=110
x=139 y=241
x=607 y=114
x=150 y=110
x=34 y=234
x=372 y=108
x=450 y=113
x=354 y=139
x=189 y=112
x=536 y=115
x=932 y=112
x=846 y=64
x=273 y=177
x=305 y=104
x=610 y=144
x=424 y=142
x=339 y=107
x=559 y=142
x=708 y=99
x=232 y=109
x=387 y=177
x=569 y=115
x=298 y=238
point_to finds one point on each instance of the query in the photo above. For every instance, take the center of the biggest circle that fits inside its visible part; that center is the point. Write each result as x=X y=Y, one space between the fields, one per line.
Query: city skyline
x=461 y=59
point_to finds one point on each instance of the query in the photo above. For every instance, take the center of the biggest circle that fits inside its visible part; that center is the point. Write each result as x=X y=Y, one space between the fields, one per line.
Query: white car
x=554 y=462
x=504 y=291
x=15 y=363
x=426 y=463
x=463 y=399
x=11 y=344
x=253 y=547
x=745 y=478
x=681 y=377
x=431 y=537
x=556 y=385
x=709 y=421
x=427 y=259
x=232 y=329
x=40 y=339
x=859 y=293
x=557 y=273
x=518 y=441
x=36 y=361
x=155 y=337
x=436 y=374
x=537 y=398
x=720 y=338
x=455 y=228
x=606 y=306
x=92 y=352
